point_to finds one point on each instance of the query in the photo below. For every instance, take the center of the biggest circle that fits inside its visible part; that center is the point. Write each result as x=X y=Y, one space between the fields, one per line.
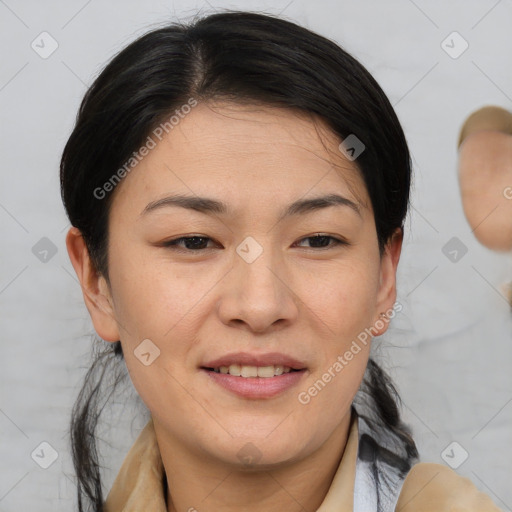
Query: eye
x=188 y=243
x=321 y=241
x=199 y=243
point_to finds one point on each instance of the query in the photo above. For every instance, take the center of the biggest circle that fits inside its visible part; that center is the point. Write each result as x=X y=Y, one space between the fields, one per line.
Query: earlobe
x=95 y=288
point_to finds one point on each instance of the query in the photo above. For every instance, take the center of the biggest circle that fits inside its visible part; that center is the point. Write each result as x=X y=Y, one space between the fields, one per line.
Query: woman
x=237 y=190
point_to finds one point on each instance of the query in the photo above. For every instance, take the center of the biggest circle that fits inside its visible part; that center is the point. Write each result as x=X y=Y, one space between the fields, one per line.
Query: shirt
x=427 y=487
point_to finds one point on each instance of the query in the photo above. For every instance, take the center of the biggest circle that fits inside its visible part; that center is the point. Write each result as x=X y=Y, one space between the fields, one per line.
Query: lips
x=258 y=360
x=255 y=376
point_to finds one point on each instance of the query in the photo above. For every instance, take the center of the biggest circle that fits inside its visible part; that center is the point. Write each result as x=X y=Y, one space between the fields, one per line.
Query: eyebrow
x=212 y=206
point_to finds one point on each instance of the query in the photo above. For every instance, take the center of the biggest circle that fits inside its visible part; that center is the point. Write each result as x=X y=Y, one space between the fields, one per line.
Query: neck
x=195 y=484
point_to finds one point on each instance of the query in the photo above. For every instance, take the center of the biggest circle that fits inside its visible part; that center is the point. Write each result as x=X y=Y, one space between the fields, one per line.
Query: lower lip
x=256 y=387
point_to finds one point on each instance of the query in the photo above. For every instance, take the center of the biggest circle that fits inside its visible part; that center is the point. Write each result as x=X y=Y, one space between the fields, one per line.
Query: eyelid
x=174 y=242
x=338 y=241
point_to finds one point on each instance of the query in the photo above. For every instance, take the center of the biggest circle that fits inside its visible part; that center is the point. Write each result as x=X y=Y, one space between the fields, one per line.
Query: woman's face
x=254 y=289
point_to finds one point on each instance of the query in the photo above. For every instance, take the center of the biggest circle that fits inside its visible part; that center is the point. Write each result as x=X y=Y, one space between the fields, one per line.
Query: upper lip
x=246 y=359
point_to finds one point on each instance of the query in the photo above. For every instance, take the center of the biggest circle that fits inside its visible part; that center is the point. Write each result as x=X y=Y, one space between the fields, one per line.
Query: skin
x=485 y=178
x=307 y=302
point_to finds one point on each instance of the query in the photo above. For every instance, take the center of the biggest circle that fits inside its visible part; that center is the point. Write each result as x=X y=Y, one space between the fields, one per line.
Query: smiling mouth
x=246 y=371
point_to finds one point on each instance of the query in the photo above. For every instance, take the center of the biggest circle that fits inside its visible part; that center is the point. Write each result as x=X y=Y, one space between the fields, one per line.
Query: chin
x=253 y=455
x=264 y=446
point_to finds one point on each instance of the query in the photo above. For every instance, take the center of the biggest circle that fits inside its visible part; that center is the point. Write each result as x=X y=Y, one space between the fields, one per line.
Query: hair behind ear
x=87 y=409
x=378 y=402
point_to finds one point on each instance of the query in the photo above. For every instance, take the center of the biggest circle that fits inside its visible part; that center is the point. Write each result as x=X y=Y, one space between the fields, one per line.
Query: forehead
x=242 y=153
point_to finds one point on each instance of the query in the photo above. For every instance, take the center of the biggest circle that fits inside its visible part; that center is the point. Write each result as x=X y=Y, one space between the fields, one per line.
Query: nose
x=258 y=295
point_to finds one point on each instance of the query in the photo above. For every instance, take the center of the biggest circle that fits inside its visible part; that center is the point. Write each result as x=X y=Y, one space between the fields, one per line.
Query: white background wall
x=450 y=350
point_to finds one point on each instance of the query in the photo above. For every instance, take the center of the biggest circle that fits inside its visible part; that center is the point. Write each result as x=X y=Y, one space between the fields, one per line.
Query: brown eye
x=189 y=243
x=322 y=241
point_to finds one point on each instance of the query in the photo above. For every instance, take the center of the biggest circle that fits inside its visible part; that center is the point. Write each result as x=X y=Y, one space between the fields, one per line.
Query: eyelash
x=174 y=244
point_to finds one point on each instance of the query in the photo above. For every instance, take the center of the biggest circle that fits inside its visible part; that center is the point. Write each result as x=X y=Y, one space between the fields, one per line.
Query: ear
x=386 y=296
x=96 y=291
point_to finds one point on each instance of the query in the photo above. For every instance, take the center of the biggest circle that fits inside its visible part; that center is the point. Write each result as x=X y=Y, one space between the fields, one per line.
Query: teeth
x=253 y=371
x=279 y=370
x=264 y=371
x=235 y=369
x=248 y=371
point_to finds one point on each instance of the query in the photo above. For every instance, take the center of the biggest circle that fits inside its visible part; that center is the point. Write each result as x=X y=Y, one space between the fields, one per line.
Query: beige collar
x=139 y=483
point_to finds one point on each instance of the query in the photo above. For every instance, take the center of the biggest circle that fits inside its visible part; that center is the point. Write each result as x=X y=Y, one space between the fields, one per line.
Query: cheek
x=343 y=298
x=154 y=302
x=153 y=298
x=166 y=304
x=344 y=303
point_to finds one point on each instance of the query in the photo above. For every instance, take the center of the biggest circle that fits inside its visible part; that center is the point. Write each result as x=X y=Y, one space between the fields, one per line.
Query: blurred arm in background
x=485 y=175
x=485 y=178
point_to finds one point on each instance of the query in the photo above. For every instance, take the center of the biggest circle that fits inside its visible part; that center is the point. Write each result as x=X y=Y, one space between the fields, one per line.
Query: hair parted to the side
x=246 y=58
